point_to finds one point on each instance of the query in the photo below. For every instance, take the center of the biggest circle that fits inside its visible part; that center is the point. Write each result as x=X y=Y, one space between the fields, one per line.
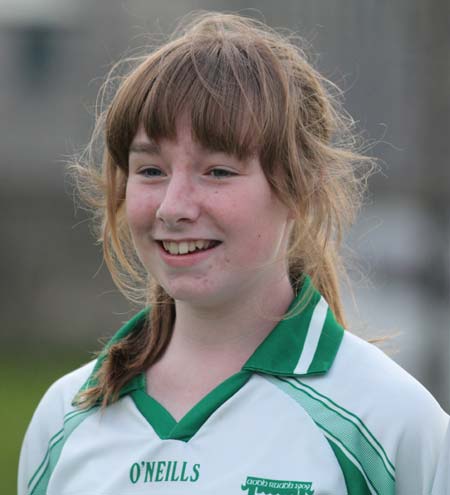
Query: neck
x=229 y=334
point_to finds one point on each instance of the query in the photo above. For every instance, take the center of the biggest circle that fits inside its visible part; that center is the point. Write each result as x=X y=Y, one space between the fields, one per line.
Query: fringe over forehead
x=233 y=79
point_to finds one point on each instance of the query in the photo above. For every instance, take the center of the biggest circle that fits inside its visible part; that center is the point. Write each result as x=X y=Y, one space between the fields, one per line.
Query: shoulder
x=371 y=374
x=391 y=406
x=373 y=384
x=60 y=394
x=57 y=402
x=48 y=421
x=441 y=484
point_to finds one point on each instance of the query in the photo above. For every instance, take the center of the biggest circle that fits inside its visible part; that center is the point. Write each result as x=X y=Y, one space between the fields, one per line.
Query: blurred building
x=392 y=60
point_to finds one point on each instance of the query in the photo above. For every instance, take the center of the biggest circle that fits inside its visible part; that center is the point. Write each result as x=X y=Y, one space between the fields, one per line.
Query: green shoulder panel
x=39 y=482
x=357 y=447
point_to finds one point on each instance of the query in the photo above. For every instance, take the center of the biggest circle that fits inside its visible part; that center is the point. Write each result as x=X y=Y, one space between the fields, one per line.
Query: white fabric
x=441 y=484
x=47 y=420
x=260 y=432
x=396 y=408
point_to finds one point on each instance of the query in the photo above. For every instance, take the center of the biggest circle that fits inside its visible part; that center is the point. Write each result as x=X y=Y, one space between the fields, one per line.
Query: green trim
x=45 y=459
x=277 y=355
x=356 y=420
x=280 y=352
x=329 y=342
x=136 y=383
x=44 y=471
x=157 y=415
x=165 y=425
x=351 y=456
x=354 y=480
x=51 y=441
x=350 y=433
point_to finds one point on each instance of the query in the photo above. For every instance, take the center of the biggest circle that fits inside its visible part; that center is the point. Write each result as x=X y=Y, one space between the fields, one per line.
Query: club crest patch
x=266 y=486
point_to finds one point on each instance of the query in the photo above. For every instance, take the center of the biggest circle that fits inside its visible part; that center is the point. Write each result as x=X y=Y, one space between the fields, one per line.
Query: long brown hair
x=247 y=90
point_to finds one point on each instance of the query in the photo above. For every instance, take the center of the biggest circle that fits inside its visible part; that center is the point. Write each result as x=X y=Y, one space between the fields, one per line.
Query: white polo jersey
x=441 y=484
x=314 y=411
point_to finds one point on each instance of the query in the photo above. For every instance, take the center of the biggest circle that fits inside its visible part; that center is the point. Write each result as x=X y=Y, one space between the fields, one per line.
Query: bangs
x=225 y=87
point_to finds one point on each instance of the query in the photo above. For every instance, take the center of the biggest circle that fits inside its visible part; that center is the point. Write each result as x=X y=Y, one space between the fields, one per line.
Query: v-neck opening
x=165 y=425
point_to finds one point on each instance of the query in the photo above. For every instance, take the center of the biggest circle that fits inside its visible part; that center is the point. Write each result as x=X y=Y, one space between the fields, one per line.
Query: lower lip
x=185 y=260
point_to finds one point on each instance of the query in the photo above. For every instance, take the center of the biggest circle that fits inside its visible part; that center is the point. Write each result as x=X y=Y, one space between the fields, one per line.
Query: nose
x=180 y=202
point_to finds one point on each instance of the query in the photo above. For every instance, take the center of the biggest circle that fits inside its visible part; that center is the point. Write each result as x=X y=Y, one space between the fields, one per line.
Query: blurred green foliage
x=25 y=378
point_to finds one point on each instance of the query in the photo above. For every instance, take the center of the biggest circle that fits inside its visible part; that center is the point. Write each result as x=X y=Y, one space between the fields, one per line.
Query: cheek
x=135 y=214
x=257 y=239
x=266 y=233
x=140 y=209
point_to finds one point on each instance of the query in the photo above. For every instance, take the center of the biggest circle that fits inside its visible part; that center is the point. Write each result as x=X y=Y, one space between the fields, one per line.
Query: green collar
x=303 y=344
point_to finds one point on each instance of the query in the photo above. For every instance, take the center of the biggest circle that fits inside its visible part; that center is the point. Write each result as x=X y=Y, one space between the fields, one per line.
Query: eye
x=221 y=173
x=151 y=172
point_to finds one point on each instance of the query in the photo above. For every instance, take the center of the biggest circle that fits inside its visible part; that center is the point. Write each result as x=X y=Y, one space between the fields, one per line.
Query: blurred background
x=57 y=299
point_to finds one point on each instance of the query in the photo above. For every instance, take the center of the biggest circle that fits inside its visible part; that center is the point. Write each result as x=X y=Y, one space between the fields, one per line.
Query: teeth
x=201 y=244
x=185 y=247
x=173 y=248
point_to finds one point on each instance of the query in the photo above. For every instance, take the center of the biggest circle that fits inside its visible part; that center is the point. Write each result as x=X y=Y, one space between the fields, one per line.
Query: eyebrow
x=144 y=147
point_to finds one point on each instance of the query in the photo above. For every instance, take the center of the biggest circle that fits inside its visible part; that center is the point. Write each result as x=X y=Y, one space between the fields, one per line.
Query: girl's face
x=206 y=225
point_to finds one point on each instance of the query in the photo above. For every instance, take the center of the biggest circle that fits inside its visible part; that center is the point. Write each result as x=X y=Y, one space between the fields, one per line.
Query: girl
x=228 y=178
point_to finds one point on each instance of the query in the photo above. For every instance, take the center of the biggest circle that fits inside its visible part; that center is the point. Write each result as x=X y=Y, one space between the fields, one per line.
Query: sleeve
x=420 y=444
x=43 y=429
x=46 y=429
x=441 y=484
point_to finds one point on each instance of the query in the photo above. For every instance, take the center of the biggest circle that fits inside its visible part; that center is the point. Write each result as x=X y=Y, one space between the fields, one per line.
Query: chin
x=194 y=294
x=184 y=291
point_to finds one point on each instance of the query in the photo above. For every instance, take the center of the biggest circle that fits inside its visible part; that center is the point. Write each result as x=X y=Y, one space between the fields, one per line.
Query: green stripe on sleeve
x=344 y=412
x=56 y=444
x=354 y=480
x=351 y=434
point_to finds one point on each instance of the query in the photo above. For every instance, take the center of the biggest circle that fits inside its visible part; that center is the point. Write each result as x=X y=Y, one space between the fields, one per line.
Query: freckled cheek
x=140 y=213
x=258 y=241
x=259 y=246
x=247 y=241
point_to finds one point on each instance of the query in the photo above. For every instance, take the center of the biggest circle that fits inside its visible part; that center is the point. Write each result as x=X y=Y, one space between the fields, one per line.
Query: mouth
x=182 y=248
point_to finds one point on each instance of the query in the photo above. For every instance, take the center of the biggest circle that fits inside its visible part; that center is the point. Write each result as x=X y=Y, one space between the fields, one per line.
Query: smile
x=186 y=247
